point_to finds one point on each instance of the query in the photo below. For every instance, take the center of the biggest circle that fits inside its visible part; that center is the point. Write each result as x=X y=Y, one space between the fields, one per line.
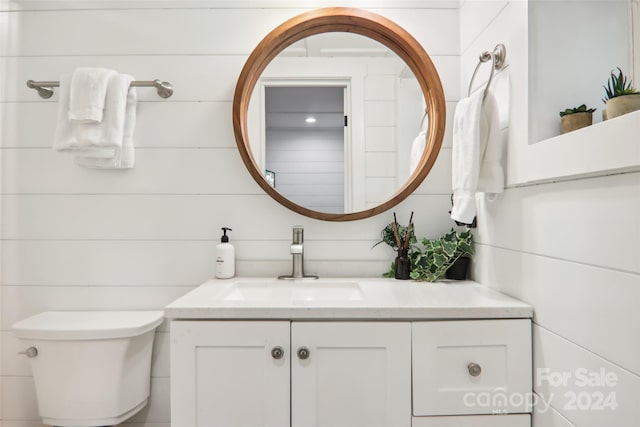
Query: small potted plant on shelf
x=448 y=256
x=620 y=96
x=576 y=118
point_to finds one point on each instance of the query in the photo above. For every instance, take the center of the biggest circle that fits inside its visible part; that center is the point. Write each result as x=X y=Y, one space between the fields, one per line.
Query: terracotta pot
x=575 y=121
x=622 y=105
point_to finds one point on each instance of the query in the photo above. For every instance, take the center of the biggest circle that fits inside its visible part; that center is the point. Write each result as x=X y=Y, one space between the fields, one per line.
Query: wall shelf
x=604 y=148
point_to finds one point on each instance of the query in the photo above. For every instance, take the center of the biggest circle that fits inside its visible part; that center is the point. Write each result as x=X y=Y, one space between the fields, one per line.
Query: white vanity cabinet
x=255 y=352
x=281 y=373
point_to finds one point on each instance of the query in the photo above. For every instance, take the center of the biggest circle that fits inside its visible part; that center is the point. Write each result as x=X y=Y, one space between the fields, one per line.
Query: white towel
x=87 y=94
x=417 y=149
x=110 y=142
x=465 y=157
x=476 y=154
x=122 y=157
x=491 y=178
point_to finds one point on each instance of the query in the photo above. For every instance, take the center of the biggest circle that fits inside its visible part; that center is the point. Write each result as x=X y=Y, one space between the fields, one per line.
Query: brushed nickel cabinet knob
x=474 y=369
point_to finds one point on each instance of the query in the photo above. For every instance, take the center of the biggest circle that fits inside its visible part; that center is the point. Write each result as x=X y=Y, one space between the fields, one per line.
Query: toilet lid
x=84 y=325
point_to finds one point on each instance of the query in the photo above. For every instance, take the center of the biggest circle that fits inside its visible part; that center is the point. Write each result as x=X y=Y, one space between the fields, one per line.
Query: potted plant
x=576 y=118
x=620 y=96
x=392 y=239
x=435 y=257
x=462 y=257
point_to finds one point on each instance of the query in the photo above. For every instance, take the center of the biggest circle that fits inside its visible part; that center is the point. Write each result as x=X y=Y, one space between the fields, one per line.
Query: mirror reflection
x=332 y=122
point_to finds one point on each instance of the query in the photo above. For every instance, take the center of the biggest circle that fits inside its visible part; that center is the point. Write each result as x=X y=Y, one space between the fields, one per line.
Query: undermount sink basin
x=296 y=290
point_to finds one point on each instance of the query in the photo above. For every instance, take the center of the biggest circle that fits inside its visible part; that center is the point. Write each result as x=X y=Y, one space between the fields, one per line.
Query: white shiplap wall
x=309 y=165
x=74 y=238
x=568 y=248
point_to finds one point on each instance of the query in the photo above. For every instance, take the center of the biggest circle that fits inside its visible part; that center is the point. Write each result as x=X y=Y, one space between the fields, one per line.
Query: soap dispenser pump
x=225 y=257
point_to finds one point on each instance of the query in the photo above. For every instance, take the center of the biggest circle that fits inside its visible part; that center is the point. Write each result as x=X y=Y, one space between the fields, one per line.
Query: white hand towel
x=491 y=178
x=105 y=145
x=87 y=94
x=84 y=136
x=417 y=148
x=119 y=157
x=465 y=155
x=477 y=154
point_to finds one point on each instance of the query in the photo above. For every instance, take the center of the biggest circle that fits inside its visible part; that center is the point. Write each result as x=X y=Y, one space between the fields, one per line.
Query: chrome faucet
x=297 y=251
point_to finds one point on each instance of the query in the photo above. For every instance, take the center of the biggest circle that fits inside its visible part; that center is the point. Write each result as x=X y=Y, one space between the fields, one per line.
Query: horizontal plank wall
x=74 y=238
x=570 y=250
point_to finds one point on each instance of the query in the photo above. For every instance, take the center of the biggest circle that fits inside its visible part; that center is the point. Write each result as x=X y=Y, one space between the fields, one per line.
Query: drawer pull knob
x=303 y=353
x=474 y=369
x=277 y=352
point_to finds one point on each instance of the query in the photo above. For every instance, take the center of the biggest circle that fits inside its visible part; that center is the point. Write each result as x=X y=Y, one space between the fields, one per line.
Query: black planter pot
x=459 y=269
x=403 y=265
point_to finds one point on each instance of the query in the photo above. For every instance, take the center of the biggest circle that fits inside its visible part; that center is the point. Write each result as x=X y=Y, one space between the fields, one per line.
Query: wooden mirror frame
x=342 y=19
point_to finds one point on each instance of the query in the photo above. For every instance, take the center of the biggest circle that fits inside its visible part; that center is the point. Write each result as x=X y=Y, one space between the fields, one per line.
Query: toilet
x=89 y=368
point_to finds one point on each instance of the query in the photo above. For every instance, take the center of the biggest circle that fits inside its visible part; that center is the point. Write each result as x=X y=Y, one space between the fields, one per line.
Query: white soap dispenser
x=225 y=257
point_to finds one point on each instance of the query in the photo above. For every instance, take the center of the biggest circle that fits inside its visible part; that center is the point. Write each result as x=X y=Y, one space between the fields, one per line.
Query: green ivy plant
x=433 y=257
x=618 y=85
x=389 y=238
x=581 y=109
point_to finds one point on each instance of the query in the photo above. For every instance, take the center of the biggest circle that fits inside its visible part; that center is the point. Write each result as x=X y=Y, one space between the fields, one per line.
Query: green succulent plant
x=432 y=259
x=618 y=85
x=581 y=109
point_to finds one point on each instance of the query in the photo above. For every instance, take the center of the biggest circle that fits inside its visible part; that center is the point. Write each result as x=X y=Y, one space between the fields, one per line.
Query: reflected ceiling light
x=310 y=119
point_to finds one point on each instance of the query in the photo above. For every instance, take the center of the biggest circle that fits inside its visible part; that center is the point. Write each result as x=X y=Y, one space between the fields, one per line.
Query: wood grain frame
x=341 y=19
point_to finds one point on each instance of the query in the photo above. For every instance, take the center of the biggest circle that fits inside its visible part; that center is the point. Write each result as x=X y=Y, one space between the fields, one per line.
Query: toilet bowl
x=89 y=368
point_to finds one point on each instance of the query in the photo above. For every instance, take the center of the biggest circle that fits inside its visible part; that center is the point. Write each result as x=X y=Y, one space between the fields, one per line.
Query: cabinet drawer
x=471 y=367
x=518 y=420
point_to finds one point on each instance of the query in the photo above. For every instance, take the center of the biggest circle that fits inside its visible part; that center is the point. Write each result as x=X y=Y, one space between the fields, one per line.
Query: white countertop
x=344 y=298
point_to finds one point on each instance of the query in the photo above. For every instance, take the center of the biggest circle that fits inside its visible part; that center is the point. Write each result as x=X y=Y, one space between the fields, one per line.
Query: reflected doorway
x=307 y=144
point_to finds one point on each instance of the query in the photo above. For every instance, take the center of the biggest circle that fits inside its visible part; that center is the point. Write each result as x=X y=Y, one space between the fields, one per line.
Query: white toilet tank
x=89 y=368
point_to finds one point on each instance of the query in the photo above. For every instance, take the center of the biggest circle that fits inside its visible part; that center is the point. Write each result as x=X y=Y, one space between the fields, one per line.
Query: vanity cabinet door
x=351 y=374
x=227 y=373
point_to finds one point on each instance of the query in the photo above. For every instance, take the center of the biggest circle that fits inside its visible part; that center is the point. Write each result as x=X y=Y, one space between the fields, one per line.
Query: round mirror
x=326 y=109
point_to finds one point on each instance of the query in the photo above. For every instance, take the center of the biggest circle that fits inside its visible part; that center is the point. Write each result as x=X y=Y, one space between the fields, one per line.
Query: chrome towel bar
x=165 y=89
x=498 y=58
